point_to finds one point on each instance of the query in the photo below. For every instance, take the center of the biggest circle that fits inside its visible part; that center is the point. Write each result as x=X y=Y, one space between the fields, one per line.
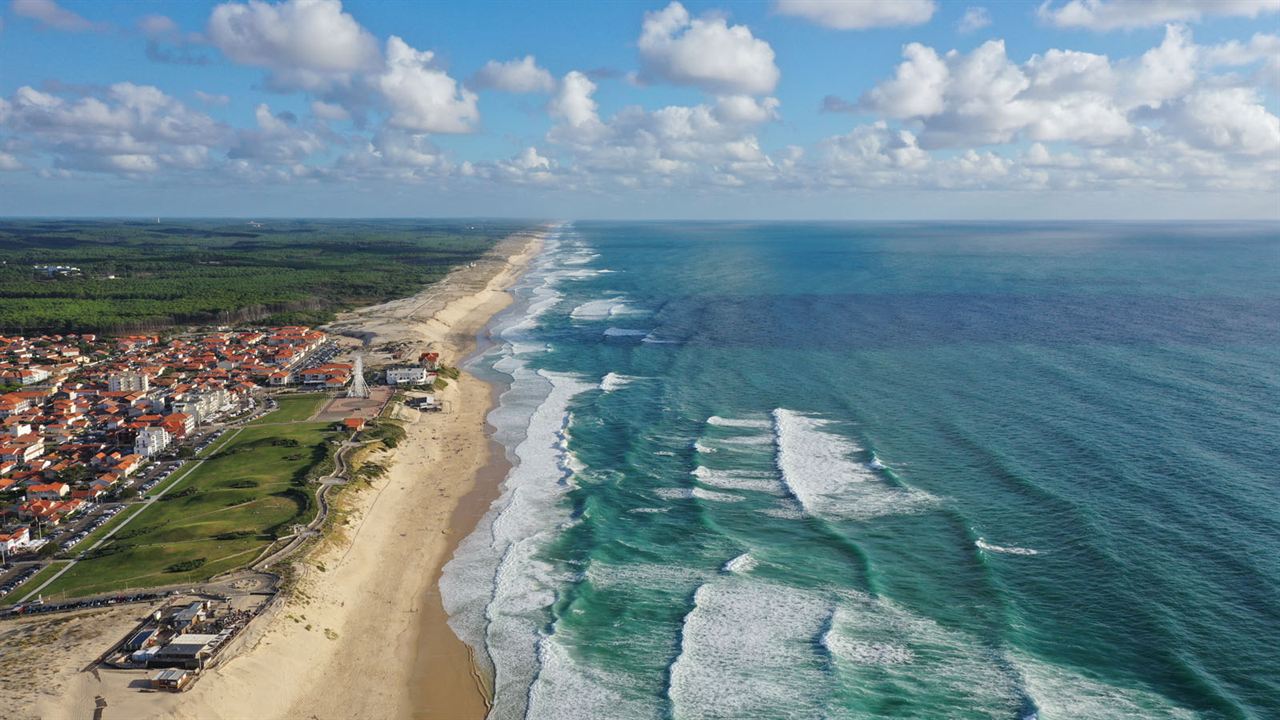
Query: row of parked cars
x=18 y=578
x=34 y=608
x=92 y=525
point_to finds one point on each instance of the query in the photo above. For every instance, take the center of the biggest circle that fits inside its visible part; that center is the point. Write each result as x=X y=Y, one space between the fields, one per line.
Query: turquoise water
x=911 y=471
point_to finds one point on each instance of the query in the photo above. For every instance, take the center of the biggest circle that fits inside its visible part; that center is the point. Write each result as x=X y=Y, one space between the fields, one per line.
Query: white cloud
x=574 y=103
x=9 y=162
x=917 y=87
x=517 y=76
x=276 y=141
x=329 y=111
x=746 y=110
x=982 y=97
x=859 y=14
x=1163 y=72
x=307 y=44
x=1231 y=120
x=975 y=18
x=677 y=144
x=420 y=97
x=1120 y=14
x=155 y=26
x=52 y=15
x=706 y=52
x=211 y=98
x=127 y=128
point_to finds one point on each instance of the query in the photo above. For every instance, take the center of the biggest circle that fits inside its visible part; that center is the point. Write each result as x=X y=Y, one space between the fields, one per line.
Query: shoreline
x=362 y=631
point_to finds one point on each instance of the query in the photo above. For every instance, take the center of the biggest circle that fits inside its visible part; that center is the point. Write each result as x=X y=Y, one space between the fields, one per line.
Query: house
x=178 y=424
x=407 y=375
x=48 y=491
x=354 y=424
x=322 y=374
x=14 y=540
x=279 y=378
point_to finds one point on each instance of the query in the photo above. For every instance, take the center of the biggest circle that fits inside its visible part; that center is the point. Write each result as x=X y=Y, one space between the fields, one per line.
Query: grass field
x=217 y=518
x=293 y=409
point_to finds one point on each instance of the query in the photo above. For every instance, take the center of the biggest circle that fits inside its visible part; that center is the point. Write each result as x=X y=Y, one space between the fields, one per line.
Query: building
x=17 y=539
x=128 y=382
x=188 y=650
x=151 y=441
x=353 y=424
x=173 y=680
x=407 y=375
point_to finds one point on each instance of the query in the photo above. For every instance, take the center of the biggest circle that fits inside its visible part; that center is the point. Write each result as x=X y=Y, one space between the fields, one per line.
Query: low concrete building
x=407 y=375
x=173 y=680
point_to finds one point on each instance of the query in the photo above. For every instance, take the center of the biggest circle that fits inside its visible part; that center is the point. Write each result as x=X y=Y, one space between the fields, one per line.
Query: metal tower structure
x=358 y=387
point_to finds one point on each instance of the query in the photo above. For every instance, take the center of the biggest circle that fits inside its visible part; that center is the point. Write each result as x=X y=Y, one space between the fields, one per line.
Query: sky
x=789 y=109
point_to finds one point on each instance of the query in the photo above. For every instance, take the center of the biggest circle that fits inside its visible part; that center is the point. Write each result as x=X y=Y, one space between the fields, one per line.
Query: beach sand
x=363 y=633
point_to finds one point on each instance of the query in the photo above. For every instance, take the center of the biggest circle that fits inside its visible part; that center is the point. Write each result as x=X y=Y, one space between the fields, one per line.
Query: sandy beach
x=363 y=633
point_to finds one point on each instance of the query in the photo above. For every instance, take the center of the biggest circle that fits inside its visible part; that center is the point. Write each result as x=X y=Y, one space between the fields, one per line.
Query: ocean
x=833 y=470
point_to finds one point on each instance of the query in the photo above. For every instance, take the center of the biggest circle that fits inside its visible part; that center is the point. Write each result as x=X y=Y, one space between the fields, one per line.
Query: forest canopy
x=114 y=276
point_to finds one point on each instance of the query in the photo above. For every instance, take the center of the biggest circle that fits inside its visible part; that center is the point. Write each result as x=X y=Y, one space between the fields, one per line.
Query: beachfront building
x=128 y=382
x=407 y=375
x=151 y=441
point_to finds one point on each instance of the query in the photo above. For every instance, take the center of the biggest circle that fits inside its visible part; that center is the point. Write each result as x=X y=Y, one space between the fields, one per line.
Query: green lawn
x=222 y=514
x=292 y=408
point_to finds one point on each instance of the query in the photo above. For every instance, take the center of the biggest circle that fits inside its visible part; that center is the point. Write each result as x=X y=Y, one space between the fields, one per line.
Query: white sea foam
x=745 y=648
x=497 y=588
x=738 y=422
x=649 y=510
x=1060 y=692
x=817 y=468
x=673 y=493
x=566 y=689
x=697 y=445
x=705 y=494
x=741 y=564
x=615 y=381
x=1007 y=550
x=602 y=309
x=875 y=463
x=650 y=338
x=739 y=480
x=624 y=332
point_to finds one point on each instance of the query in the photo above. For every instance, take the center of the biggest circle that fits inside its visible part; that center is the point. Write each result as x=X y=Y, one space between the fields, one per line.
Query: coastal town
x=93 y=430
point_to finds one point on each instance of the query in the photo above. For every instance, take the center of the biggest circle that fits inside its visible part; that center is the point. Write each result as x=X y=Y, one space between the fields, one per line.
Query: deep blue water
x=915 y=471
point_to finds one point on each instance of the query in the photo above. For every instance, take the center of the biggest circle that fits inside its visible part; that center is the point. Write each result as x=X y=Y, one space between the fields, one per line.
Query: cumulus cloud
x=574 y=102
x=982 y=97
x=694 y=145
x=705 y=52
x=127 y=128
x=329 y=111
x=420 y=97
x=277 y=140
x=51 y=15
x=859 y=14
x=1122 y=14
x=975 y=18
x=516 y=76
x=308 y=44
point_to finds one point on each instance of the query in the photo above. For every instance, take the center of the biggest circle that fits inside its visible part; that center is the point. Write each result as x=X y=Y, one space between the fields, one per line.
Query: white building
x=407 y=376
x=151 y=441
x=128 y=382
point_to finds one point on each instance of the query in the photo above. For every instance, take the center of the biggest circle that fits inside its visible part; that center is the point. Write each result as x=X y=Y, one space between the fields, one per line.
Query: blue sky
x=789 y=109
